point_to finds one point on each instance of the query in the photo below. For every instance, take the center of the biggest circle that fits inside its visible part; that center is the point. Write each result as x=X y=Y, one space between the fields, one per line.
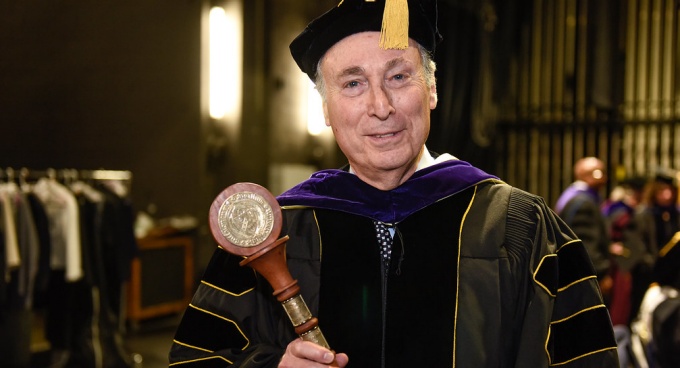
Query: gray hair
x=429 y=68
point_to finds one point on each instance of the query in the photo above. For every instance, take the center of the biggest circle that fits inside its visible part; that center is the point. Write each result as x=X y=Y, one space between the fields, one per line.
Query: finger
x=341 y=360
x=307 y=350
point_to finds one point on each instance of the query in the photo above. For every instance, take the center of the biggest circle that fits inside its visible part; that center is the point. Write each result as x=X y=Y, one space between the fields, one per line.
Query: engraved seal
x=245 y=219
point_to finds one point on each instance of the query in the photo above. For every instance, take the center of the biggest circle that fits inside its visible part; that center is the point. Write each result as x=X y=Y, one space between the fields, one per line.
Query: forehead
x=363 y=49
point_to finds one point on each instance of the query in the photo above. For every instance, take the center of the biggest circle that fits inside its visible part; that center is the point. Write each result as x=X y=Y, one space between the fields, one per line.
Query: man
x=580 y=207
x=407 y=258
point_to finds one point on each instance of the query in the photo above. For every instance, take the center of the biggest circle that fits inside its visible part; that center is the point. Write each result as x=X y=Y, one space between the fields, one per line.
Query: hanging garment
x=85 y=331
x=13 y=259
x=62 y=211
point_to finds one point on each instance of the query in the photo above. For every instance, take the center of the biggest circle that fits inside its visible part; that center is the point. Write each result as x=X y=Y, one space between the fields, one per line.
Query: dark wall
x=111 y=85
x=117 y=85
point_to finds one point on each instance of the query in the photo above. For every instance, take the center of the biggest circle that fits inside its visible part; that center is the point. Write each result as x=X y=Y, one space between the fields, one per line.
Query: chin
x=391 y=164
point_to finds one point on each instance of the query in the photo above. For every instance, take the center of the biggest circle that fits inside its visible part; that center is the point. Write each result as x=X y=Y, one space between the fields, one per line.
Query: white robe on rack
x=63 y=213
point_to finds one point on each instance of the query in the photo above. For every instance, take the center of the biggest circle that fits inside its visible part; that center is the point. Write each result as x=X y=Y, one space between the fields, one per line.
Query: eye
x=398 y=79
x=353 y=87
x=352 y=84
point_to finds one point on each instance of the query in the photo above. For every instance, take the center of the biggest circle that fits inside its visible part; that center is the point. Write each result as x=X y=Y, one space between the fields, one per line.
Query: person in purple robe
x=580 y=206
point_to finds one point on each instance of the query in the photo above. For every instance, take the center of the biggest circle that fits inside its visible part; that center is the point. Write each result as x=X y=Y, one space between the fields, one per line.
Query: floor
x=150 y=342
x=146 y=345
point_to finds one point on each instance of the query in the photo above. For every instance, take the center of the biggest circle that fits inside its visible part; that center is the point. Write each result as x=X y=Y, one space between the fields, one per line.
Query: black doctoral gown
x=481 y=275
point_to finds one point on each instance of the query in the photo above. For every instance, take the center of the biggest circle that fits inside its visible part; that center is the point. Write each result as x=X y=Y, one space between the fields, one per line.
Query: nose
x=380 y=104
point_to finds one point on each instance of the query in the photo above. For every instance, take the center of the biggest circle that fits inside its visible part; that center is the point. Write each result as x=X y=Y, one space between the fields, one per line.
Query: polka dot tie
x=385 y=242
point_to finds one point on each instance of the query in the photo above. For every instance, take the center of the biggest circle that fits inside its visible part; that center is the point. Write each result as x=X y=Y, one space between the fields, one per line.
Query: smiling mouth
x=384 y=135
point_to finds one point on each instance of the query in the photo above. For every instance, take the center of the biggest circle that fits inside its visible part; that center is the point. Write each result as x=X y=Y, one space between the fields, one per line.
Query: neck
x=388 y=179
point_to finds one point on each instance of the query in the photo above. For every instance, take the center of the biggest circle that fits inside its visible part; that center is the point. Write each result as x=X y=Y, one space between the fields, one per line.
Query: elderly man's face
x=377 y=103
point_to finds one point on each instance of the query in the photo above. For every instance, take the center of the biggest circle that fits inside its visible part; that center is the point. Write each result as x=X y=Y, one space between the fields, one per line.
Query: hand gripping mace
x=245 y=220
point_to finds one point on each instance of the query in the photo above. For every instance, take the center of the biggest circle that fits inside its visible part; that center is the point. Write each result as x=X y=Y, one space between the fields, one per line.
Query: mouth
x=384 y=135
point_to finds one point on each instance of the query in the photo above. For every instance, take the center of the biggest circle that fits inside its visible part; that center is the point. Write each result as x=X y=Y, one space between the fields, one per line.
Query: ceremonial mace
x=245 y=220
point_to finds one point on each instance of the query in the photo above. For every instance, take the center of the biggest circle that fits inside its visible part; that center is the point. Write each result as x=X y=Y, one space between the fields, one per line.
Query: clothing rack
x=23 y=173
x=84 y=291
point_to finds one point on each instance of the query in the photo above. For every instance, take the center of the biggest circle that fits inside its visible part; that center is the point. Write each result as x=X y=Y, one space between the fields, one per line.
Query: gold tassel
x=394 y=32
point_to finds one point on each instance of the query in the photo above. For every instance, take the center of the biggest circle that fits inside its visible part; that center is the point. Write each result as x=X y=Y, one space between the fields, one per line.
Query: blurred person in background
x=660 y=216
x=579 y=206
x=656 y=330
x=627 y=254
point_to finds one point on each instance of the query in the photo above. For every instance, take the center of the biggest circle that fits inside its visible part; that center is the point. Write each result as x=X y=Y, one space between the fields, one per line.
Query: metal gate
x=592 y=78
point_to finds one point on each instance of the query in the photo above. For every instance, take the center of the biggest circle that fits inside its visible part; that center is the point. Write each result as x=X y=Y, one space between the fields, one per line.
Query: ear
x=325 y=114
x=433 y=96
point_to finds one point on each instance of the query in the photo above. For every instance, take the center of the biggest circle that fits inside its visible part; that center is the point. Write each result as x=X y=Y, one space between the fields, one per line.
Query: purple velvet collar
x=343 y=191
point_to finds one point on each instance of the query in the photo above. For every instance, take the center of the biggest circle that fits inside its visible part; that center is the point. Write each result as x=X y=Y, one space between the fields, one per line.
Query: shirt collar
x=426 y=160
